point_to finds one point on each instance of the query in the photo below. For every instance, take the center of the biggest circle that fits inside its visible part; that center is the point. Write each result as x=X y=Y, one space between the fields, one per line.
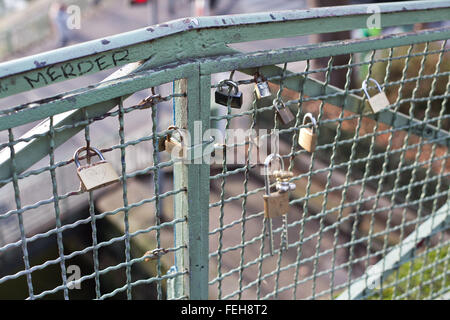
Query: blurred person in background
x=59 y=17
x=204 y=7
x=213 y=4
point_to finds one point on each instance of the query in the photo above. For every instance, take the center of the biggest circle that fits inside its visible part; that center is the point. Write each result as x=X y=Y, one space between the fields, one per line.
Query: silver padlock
x=95 y=175
x=262 y=92
x=284 y=112
x=307 y=138
x=378 y=101
x=228 y=90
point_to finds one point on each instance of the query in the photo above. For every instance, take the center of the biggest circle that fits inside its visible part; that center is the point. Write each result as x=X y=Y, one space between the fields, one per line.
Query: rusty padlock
x=307 y=138
x=228 y=90
x=276 y=203
x=284 y=112
x=378 y=101
x=95 y=175
x=169 y=143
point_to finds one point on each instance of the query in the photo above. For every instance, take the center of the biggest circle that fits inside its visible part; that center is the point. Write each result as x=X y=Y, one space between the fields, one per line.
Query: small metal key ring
x=364 y=86
x=313 y=121
x=76 y=156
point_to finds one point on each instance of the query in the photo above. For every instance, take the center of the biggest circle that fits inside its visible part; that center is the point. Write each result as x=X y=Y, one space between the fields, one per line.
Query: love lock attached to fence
x=276 y=204
x=96 y=175
x=379 y=101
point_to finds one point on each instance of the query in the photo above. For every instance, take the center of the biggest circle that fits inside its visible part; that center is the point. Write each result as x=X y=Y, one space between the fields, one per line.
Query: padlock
x=262 y=92
x=150 y=101
x=276 y=203
x=169 y=143
x=284 y=112
x=378 y=101
x=226 y=90
x=95 y=175
x=308 y=137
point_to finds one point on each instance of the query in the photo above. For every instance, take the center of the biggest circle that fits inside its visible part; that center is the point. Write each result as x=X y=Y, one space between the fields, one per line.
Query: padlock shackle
x=364 y=86
x=267 y=162
x=276 y=102
x=229 y=83
x=175 y=128
x=76 y=156
x=313 y=120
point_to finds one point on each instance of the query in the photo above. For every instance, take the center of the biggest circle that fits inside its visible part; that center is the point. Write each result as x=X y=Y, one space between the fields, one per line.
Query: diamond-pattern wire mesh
x=364 y=190
x=147 y=231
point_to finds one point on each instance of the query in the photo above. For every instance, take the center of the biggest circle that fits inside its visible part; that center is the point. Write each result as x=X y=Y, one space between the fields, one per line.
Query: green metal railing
x=369 y=217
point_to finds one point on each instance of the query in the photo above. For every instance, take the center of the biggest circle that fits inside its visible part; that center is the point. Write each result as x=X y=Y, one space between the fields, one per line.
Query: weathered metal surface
x=99 y=102
x=199 y=37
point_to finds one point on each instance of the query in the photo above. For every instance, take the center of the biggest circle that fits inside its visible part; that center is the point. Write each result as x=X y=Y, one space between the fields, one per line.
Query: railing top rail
x=200 y=37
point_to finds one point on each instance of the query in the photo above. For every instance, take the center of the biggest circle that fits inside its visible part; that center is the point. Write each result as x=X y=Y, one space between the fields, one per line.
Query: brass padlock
x=228 y=89
x=378 y=101
x=169 y=143
x=307 y=138
x=95 y=175
x=284 y=112
x=276 y=203
x=262 y=92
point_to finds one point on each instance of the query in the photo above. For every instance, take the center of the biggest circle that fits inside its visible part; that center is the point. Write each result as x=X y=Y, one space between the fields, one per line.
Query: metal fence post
x=193 y=204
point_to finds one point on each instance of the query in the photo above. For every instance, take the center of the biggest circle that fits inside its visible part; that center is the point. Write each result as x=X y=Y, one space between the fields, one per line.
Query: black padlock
x=226 y=90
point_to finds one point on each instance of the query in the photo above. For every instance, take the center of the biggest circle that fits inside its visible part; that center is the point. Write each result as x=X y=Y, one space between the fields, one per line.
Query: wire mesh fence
x=144 y=232
x=368 y=203
x=365 y=188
